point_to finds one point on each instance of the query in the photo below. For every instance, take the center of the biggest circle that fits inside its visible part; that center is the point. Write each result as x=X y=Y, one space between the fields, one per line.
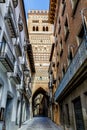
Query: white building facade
x=14 y=81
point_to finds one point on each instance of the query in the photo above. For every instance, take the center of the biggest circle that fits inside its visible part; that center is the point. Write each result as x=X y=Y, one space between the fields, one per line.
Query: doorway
x=78 y=114
x=8 y=112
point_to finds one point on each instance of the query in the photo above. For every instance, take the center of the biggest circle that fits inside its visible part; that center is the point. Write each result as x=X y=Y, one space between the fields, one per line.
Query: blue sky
x=36 y=5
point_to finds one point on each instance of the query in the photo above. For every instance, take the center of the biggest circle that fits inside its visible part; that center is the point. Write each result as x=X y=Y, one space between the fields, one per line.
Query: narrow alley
x=43 y=64
x=39 y=123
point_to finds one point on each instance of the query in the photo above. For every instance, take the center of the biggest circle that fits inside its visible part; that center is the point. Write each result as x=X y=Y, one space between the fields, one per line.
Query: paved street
x=39 y=123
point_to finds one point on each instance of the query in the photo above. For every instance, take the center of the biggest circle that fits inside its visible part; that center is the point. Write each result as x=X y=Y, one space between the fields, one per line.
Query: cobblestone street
x=40 y=123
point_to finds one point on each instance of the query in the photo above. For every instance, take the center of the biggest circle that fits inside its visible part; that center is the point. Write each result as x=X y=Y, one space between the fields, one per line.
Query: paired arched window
x=35 y=28
x=45 y=28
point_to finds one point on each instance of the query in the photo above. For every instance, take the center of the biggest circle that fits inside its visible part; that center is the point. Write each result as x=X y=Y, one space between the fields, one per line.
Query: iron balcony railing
x=6 y=55
x=11 y=22
x=16 y=75
x=79 y=58
x=18 y=47
x=22 y=62
x=17 y=71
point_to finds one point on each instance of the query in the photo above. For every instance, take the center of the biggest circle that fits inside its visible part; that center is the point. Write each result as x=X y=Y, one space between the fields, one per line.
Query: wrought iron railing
x=6 y=50
x=18 y=71
x=79 y=58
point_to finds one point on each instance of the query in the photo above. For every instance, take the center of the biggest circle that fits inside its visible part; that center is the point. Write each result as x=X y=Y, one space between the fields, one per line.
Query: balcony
x=28 y=92
x=20 y=87
x=17 y=46
x=16 y=75
x=22 y=62
x=76 y=69
x=2 y=1
x=6 y=57
x=10 y=22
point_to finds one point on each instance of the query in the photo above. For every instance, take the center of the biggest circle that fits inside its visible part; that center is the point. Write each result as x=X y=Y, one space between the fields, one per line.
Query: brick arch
x=38 y=91
x=44 y=110
x=36 y=87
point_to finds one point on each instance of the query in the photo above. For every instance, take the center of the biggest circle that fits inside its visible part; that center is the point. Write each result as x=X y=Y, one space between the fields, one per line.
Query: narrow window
x=59 y=29
x=70 y=57
x=33 y=28
x=59 y=26
x=61 y=114
x=43 y=28
x=74 y=6
x=37 y=28
x=63 y=71
x=67 y=115
x=46 y=28
x=63 y=6
x=80 y=36
x=66 y=29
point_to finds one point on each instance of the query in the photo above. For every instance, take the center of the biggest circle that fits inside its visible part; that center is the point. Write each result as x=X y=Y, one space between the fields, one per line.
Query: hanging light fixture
x=20 y=24
x=15 y=3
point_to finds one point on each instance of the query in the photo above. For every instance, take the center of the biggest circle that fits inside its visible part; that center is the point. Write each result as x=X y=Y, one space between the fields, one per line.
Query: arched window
x=59 y=80
x=46 y=28
x=70 y=56
x=63 y=71
x=43 y=28
x=66 y=29
x=37 y=28
x=33 y=28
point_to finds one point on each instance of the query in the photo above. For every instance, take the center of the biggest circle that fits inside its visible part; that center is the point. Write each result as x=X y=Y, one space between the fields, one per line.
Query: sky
x=36 y=5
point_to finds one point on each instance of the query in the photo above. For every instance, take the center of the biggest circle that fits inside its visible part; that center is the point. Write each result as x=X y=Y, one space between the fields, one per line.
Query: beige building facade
x=41 y=38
